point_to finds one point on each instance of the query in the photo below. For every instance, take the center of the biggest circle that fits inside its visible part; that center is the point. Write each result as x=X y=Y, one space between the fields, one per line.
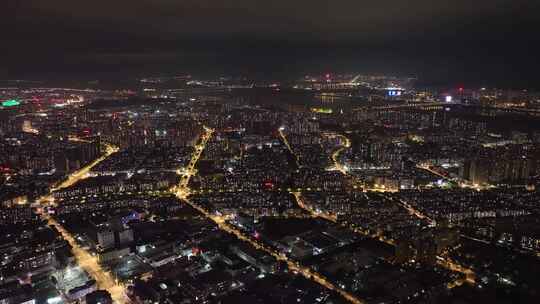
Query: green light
x=322 y=110
x=11 y=103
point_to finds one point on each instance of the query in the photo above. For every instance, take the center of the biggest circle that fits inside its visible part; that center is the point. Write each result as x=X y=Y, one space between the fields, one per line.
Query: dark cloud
x=415 y=36
x=332 y=20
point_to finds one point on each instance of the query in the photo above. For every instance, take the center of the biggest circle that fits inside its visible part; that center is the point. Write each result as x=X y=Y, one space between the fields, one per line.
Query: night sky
x=473 y=42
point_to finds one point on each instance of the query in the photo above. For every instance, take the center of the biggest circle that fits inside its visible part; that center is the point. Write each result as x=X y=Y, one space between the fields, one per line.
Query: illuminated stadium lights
x=10 y=103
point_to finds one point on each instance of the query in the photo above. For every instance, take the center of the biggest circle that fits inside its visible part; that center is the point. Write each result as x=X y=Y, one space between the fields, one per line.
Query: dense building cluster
x=331 y=189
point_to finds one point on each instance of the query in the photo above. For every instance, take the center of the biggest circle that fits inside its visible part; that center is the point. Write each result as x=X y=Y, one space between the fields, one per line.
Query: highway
x=87 y=262
x=182 y=192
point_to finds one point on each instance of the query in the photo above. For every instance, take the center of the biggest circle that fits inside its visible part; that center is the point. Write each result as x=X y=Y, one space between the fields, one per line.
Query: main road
x=462 y=183
x=314 y=213
x=341 y=168
x=335 y=155
x=286 y=142
x=182 y=192
x=88 y=262
x=78 y=175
